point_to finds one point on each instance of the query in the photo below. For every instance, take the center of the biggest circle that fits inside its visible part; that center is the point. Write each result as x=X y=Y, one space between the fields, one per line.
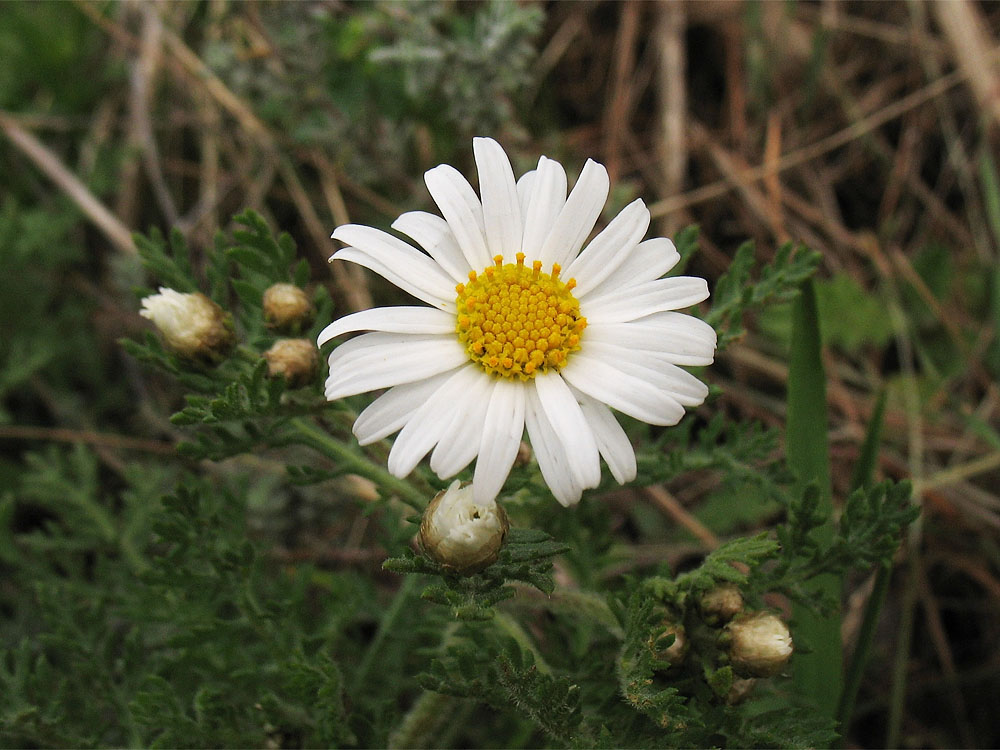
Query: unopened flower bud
x=296 y=359
x=721 y=604
x=460 y=534
x=674 y=653
x=740 y=691
x=192 y=324
x=760 y=644
x=287 y=307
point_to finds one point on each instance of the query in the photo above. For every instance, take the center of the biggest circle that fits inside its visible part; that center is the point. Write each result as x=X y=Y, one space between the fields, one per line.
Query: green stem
x=511 y=627
x=859 y=659
x=424 y=721
x=574 y=603
x=358 y=463
x=863 y=475
x=374 y=652
x=901 y=662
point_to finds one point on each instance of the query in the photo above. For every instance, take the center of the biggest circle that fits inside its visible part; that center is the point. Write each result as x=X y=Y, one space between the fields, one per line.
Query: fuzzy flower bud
x=760 y=644
x=721 y=604
x=461 y=535
x=296 y=359
x=192 y=324
x=740 y=691
x=286 y=306
x=674 y=653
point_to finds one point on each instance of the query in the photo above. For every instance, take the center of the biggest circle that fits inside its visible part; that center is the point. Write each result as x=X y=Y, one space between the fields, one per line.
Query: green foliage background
x=196 y=556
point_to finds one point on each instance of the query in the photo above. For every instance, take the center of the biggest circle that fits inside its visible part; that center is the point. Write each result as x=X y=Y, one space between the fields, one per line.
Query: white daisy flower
x=522 y=329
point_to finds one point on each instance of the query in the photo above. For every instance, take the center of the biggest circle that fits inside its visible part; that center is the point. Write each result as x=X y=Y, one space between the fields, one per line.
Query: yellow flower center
x=516 y=322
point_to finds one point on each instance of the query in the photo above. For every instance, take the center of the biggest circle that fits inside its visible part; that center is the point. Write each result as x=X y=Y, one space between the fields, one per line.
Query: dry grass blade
x=143 y=79
x=672 y=88
x=968 y=33
x=807 y=153
x=116 y=232
x=672 y=507
x=87 y=437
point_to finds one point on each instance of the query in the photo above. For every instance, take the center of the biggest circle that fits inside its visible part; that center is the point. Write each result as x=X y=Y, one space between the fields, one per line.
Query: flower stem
x=358 y=463
x=513 y=628
x=374 y=652
x=424 y=721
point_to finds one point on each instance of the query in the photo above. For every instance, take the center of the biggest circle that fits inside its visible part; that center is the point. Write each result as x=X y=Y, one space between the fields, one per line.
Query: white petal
x=566 y=418
x=413 y=284
x=609 y=249
x=460 y=443
x=648 y=260
x=577 y=218
x=393 y=259
x=502 y=432
x=463 y=211
x=429 y=423
x=654 y=368
x=627 y=393
x=501 y=208
x=542 y=206
x=391 y=319
x=393 y=409
x=681 y=339
x=611 y=439
x=549 y=452
x=434 y=235
x=525 y=189
x=645 y=299
x=381 y=360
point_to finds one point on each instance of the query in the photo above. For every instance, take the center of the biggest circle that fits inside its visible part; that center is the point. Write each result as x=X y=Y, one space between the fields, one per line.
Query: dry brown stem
x=116 y=232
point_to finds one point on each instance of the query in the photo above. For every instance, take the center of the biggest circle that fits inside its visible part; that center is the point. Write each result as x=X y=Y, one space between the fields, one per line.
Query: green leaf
x=864 y=470
x=735 y=292
x=818 y=674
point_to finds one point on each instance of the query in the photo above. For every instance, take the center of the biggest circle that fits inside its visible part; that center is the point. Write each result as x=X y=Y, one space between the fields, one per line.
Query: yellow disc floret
x=516 y=321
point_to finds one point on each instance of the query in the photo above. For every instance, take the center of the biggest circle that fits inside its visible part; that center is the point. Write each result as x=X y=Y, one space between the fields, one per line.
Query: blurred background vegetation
x=867 y=131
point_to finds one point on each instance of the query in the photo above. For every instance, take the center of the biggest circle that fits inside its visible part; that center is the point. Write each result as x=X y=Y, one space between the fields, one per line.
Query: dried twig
x=87 y=437
x=69 y=183
x=967 y=31
x=670 y=505
x=620 y=94
x=813 y=151
x=142 y=81
x=672 y=143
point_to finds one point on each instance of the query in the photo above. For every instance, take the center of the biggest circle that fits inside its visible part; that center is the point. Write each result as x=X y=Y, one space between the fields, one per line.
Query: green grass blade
x=864 y=470
x=863 y=476
x=990 y=180
x=818 y=675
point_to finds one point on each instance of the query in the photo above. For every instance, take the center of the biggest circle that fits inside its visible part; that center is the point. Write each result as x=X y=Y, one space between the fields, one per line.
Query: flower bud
x=286 y=306
x=721 y=604
x=760 y=644
x=296 y=359
x=461 y=535
x=739 y=691
x=674 y=653
x=192 y=324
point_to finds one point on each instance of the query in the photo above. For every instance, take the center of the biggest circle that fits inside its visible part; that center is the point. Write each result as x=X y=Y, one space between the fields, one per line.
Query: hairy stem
x=358 y=463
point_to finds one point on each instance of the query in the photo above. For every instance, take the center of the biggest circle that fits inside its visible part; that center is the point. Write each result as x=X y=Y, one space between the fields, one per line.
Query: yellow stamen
x=517 y=322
